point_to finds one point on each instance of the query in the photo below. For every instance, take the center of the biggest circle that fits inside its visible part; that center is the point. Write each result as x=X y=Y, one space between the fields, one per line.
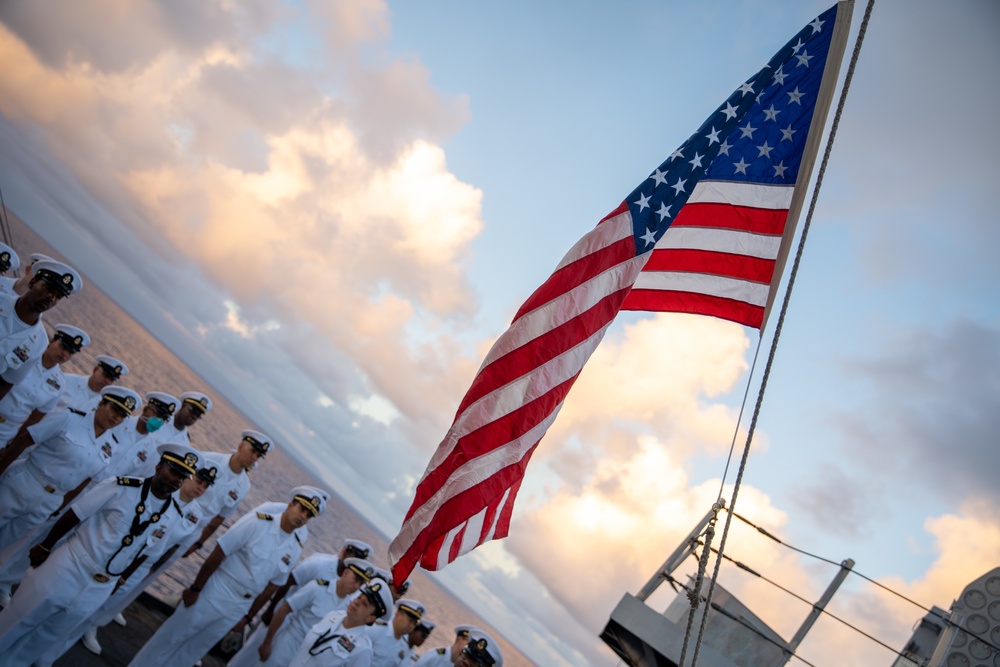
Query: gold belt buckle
x=49 y=488
x=101 y=578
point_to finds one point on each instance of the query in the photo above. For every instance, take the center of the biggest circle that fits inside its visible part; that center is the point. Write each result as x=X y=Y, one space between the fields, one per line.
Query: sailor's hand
x=189 y=597
x=37 y=555
x=264 y=651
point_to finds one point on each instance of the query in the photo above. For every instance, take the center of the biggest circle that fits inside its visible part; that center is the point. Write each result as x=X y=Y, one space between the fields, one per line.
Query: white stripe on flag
x=755 y=195
x=608 y=232
x=703 y=283
x=729 y=241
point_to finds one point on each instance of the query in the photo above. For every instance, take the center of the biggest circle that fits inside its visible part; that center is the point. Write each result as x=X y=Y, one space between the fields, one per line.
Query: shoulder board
x=76 y=412
x=130 y=481
x=379 y=621
x=442 y=650
x=322 y=582
x=264 y=516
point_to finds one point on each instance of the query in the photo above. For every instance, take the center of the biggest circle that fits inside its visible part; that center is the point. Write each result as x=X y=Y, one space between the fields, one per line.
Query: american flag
x=702 y=234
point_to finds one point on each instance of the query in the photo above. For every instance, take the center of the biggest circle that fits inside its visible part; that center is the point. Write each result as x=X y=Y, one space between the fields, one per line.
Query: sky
x=331 y=209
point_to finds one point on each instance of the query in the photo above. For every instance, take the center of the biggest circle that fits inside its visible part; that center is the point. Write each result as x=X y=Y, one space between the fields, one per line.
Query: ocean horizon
x=153 y=366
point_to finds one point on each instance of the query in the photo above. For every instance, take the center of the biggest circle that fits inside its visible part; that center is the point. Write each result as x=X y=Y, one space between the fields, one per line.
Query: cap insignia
x=129 y=402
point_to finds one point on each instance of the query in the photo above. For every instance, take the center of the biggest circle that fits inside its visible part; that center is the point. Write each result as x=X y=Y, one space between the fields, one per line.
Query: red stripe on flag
x=714 y=263
x=699 y=304
x=576 y=273
x=542 y=349
x=727 y=216
x=489 y=437
x=455 y=511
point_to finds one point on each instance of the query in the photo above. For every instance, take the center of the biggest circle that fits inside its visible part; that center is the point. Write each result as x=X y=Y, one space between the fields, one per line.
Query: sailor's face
x=57 y=352
x=42 y=295
x=247 y=455
x=187 y=415
x=349 y=583
x=167 y=480
x=404 y=622
x=361 y=609
x=109 y=415
x=296 y=515
x=193 y=487
x=99 y=379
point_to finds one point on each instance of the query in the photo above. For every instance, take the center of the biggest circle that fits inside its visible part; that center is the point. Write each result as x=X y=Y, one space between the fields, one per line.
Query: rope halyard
x=694 y=595
x=777 y=333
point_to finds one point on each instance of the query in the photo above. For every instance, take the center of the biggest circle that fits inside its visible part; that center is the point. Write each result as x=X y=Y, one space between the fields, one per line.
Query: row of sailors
x=55 y=450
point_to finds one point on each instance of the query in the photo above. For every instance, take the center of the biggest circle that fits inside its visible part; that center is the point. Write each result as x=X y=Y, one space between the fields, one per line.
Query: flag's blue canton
x=755 y=136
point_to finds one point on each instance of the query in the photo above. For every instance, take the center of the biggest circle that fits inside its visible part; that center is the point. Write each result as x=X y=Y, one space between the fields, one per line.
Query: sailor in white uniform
x=141 y=434
x=277 y=642
x=81 y=392
x=447 y=656
x=317 y=566
x=389 y=646
x=69 y=450
x=341 y=638
x=416 y=638
x=481 y=651
x=38 y=393
x=194 y=406
x=17 y=281
x=22 y=334
x=116 y=523
x=191 y=490
x=257 y=550
x=233 y=483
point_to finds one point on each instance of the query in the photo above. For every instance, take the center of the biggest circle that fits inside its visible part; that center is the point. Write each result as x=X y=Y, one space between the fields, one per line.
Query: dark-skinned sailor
x=22 y=334
x=194 y=406
x=116 y=523
x=256 y=552
x=38 y=393
x=17 y=281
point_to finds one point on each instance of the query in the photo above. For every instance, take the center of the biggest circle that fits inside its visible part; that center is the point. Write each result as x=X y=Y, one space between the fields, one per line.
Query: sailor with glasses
x=341 y=638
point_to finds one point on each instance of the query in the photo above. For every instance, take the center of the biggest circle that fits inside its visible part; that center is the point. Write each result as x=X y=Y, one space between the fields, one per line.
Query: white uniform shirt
x=387 y=651
x=257 y=551
x=229 y=489
x=20 y=343
x=172 y=434
x=192 y=518
x=316 y=566
x=439 y=657
x=334 y=645
x=311 y=603
x=106 y=513
x=39 y=390
x=138 y=457
x=68 y=451
x=76 y=394
x=7 y=285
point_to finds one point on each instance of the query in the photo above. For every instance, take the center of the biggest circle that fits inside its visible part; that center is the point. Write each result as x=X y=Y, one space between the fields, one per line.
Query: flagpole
x=844 y=9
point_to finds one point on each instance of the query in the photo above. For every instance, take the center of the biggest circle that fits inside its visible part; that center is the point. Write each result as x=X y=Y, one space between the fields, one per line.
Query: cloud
x=264 y=171
x=930 y=392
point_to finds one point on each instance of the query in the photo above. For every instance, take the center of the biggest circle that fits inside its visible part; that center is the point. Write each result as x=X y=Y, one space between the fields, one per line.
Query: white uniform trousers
x=24 y=502
x=191 y=632
x=51 y=600
x=114 y=605
x=286 y=642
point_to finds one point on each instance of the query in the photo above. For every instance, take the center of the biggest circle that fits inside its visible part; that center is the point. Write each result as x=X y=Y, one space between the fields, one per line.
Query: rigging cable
x=943 y=619
x=4 y=223
x=799 y=597
x=784 y=309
